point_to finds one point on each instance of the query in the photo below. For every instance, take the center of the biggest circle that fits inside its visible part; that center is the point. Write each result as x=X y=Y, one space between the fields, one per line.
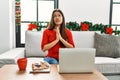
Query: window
x=115 y=14
x=32 y=11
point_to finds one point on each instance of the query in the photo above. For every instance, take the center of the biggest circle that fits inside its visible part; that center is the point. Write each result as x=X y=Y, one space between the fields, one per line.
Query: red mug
x=22 y=63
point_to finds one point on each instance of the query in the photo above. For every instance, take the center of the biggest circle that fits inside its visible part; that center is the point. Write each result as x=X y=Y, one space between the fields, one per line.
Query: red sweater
x=49 y=36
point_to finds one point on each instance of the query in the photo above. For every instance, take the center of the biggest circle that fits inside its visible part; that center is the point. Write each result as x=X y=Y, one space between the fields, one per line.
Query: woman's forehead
x=57 y=12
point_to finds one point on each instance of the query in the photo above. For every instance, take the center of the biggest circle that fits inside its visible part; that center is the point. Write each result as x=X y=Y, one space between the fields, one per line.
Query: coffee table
x=11 y=72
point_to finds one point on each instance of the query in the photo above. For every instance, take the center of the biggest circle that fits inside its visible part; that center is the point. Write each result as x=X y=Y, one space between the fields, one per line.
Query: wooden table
x=11 y=72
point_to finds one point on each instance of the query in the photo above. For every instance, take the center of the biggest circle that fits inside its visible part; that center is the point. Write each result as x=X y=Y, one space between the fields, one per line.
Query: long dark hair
x=62 y=26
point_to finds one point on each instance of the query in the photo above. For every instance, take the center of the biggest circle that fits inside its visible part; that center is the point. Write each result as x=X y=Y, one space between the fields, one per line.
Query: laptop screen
x=76 y=60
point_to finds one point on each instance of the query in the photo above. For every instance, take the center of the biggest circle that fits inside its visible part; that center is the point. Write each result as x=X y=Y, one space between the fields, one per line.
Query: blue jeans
x=51 y=60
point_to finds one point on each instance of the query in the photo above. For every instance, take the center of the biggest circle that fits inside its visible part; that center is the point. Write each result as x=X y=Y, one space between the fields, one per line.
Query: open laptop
x=76 y=60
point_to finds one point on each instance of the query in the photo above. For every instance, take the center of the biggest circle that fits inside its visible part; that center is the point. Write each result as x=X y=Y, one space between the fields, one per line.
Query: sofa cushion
x=107 y=65
x=33 y=44
x=83 y=39
x=107 y=45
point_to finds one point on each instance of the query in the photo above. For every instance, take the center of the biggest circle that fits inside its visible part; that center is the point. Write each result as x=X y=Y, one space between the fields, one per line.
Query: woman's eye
x=59 y=15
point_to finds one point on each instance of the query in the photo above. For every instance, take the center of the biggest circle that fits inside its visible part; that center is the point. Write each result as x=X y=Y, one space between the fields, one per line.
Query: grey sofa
x=82 y=39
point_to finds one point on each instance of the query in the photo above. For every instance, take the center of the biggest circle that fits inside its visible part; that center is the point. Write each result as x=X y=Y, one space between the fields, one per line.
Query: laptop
x=76 y=60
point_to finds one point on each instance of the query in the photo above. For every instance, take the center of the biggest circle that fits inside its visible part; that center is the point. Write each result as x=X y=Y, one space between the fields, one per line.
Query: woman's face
x=58 y=19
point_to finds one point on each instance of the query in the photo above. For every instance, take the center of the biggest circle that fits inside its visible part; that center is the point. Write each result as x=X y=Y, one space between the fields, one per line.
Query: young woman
x=56 y=36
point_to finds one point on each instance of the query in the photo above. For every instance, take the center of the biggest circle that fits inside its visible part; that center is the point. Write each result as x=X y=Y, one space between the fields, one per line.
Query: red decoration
x=109 y=30
x=32 y=26
x=84 y=26
x=18 y=20
x=22 y=63
x=17 y=11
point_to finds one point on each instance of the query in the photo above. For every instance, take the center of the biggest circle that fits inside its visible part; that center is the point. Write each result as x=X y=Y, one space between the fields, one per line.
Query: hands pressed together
x=58 y=35
x=59 y=38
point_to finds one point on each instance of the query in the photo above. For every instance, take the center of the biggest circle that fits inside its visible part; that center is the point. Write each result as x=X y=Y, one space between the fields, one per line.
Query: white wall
x=12 y=23
x=96 y=11
x=4 y=26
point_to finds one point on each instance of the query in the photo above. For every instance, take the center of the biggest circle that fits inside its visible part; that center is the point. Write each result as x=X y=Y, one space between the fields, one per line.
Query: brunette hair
x=62 y=26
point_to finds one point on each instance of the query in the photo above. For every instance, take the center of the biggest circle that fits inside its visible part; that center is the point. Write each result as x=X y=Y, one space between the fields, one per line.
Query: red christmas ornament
x=32 y=26
x=109 y=30
x=84 y=26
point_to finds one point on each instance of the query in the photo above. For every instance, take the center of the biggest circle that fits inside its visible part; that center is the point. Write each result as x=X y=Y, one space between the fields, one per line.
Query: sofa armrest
x=11 y=56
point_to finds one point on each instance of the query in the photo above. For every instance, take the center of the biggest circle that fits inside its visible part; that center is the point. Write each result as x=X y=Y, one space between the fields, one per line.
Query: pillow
x=107 y=45
x=33 y=44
